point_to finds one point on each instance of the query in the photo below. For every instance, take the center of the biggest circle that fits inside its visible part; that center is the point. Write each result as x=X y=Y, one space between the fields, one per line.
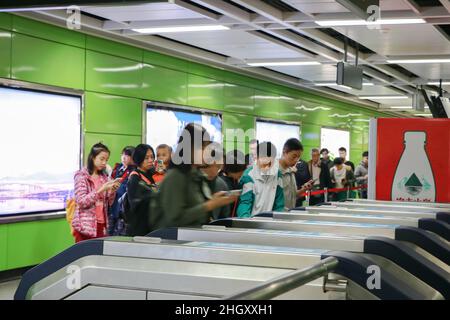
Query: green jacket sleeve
x=278 y=204
x=174 y=202
x=247 y=198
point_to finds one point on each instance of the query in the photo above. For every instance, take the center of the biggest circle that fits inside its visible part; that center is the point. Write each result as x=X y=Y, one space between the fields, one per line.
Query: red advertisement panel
x=413 y=160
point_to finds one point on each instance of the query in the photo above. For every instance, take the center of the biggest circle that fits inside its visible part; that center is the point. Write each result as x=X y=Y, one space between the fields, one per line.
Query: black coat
x=324 y=177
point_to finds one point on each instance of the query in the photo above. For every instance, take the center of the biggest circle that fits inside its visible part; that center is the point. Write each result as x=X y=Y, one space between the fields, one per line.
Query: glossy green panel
x=206 y=71
x=288 y=109
x=113 y=114
x=238 y=127
x=5 y=21
x=356 y=155
x=114 y=142
x=238 y=99
x=266 y=104
x=164 y=85
x=46 y=31
x=47 y=62
x=114 y=48
x=5 y=54
x=162 y=60
x=3 y=246
x=30 y=243
x=110 y=74
x=205 y=92
x=310 y=135
x=356 y=138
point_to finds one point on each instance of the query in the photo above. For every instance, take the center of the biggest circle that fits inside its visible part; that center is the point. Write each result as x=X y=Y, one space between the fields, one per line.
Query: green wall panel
x=232 y=145
x=288 y=109
x=164 y=85
x=114 y=142
x=47 y=62
x=266 y=104
x=238 y=99
x=233 y=121
x=31 y=243
x=113 y=114
x=162 y=60
x=5 y=21
x=3 y=246
x=49 y=32
x=110 y=74
x=356 y=155
x=114 y=48
x=206 y=71
x=205 y=92
x=5 y=54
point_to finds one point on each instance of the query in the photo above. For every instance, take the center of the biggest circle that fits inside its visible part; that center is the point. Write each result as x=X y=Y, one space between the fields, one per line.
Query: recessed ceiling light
x=437 y=83
x=360 y=22
x=181 y=29
x=423 y=115
x=283 y=63
x=382 y=97
x=401 y=107
x=431 y=60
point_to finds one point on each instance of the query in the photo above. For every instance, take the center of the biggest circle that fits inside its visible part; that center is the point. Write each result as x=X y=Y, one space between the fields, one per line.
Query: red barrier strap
x=313 y=193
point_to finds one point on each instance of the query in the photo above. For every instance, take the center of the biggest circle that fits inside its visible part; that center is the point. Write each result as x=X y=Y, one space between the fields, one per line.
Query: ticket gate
x=151 y=268
x=432 y=271
x=401 y=203
x=387 y=207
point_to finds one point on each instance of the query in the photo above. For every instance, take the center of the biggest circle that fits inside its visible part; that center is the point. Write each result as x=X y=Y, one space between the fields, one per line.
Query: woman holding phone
x=94 y=193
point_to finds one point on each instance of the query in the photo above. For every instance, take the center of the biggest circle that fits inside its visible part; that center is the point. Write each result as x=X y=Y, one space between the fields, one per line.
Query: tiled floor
x=8 y=288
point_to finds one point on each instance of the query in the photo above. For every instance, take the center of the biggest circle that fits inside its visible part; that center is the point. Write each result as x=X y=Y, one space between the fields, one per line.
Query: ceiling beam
x=190 y=7
x=446 y=4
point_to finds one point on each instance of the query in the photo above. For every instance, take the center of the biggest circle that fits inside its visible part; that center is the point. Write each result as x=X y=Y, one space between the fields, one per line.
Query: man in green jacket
x=262 y=186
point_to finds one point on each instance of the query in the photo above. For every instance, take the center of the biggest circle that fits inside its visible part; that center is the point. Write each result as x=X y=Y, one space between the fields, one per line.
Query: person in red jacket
x=94 y=193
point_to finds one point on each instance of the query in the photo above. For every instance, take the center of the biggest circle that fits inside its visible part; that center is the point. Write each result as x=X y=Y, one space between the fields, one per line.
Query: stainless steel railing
x=288 y=282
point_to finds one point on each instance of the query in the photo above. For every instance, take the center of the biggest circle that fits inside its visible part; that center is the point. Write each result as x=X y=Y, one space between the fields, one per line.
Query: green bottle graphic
x=414 y=180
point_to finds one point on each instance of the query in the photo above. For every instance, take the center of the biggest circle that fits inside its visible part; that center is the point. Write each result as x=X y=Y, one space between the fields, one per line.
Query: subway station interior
x=225 y=150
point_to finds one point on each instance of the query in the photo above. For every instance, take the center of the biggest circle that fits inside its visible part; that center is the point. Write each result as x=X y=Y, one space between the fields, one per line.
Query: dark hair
x=139 y=153
x=164 y=146
x=191 y=131
x=95 y=151
x=365 y=154
x=338 y=161
x=235 y=161
x=292 y=144
x=253 y=141
x=266 y=149
x=324 y=150
x=128 y=151
x=342 y=149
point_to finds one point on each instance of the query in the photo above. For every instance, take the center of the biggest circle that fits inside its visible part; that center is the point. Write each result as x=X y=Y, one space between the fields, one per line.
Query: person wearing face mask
x=140 y=189
x=262 y=184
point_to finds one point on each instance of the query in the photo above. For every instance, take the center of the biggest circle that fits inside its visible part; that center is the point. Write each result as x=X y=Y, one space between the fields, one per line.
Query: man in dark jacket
x=302 y=177
x=320 y=174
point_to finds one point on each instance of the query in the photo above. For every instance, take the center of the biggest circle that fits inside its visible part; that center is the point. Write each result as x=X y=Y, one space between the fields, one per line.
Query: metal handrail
x=288 y=282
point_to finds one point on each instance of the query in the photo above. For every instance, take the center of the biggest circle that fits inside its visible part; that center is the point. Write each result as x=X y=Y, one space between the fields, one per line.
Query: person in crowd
x=302 y=178
x=121 y=171
x=163 y=158
x=214 y=164
x=140 y=189
x=292 y=151
x=361 y=174
x=262 y=185
x=343 y=155
x=185 y=197
x=320 y=176
x=94 y=193
x=325 y=158
x=341 y=177
x=232 y=171
x=253 y=146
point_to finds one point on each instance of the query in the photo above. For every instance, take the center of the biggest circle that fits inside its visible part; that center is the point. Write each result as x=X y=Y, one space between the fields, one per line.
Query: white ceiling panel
x=393 y=5
x=417 y=39
x=430 y=71
x=325 y=72
x=316 y=6
x=236 y=44
x=144 y=12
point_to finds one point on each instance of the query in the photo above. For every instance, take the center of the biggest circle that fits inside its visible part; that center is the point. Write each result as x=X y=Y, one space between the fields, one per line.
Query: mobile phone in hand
x=236 y=192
